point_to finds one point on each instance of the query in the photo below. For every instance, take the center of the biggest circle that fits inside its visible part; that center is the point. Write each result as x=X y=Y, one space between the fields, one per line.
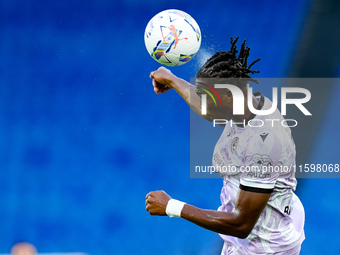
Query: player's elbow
x=240 y=229
x=246 y=226
x=243 y=232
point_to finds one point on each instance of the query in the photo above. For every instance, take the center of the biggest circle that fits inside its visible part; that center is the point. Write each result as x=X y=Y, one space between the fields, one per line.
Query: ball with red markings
x=172 y=37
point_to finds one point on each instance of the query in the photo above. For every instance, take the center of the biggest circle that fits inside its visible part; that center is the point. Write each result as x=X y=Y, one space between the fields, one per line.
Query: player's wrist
x=172 y=81
x=174 y=208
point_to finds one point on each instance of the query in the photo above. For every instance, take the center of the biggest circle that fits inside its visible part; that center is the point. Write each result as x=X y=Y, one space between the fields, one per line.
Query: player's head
x=226 y=67
x=226 y=64
x=23 y=249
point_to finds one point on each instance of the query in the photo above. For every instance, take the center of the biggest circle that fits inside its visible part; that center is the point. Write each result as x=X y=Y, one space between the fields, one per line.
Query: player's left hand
x=156 y=202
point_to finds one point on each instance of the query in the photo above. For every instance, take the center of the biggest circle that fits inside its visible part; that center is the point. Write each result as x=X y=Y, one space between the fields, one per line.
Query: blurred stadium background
x=84 y=138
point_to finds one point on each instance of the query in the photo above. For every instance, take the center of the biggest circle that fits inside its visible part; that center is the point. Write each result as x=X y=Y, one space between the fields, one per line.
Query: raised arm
x=163 y=80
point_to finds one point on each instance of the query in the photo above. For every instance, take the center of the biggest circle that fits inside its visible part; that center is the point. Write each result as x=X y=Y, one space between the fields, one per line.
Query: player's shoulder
x=271 y=131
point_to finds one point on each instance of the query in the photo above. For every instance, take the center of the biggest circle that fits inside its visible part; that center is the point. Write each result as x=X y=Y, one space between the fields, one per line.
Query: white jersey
x=261 y=158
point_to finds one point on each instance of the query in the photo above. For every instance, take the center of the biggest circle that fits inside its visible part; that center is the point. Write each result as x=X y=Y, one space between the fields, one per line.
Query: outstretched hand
x=161 y=80
x=156 y=202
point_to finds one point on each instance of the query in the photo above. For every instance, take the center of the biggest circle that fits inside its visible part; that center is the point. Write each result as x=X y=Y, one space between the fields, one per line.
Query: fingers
x=159 y=88
x=156 y=202
x=149 y=194
x=165 y=89
x=152 y=194
x=155 y=86
x=159 y=81
x=148 y=199
x=151 y=212
x=147 y=207
x=148 y=202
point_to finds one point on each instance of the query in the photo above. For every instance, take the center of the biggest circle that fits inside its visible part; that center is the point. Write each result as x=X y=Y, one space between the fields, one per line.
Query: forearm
x=164 y=80
x=187 y=92
x=221 y=222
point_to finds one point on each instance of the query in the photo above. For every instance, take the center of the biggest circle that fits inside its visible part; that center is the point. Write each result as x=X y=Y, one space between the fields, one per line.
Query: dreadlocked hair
x=226 y=64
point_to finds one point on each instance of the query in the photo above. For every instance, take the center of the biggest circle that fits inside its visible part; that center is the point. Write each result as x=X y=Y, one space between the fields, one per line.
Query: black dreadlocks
x=225 y=64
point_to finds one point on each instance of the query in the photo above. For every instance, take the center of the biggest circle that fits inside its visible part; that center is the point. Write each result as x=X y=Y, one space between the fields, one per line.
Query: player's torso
x=231 y=149
x=227 y=156
x=284 y=212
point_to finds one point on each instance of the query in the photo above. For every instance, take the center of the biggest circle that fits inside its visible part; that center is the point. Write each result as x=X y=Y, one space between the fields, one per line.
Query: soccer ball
x=172 y=37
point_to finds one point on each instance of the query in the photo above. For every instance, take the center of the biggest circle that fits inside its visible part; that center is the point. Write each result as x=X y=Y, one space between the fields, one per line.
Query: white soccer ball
x=172 y=37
